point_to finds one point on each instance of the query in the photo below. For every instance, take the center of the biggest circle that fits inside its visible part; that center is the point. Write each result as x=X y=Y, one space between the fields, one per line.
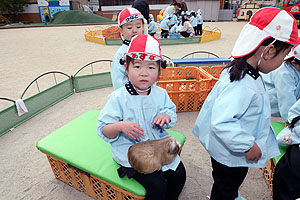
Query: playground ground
x=28 y=52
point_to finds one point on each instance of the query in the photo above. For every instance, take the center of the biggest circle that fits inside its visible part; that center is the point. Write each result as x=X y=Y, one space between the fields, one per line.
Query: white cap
x=265 y=23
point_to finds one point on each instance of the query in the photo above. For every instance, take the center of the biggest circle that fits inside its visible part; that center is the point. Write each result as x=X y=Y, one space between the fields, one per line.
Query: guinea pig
x=149 y=156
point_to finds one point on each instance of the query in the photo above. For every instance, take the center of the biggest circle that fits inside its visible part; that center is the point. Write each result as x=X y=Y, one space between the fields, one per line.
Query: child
x=130 y=23
x=286 y=179
x=187 y=30
x=199 y=22
x=193 y=20
x=283 y=85
x=234 y=123
x=164 y=26
x=152 y=27
x=140 y=111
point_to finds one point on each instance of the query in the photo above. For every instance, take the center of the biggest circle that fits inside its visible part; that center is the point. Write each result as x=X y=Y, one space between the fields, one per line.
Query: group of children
x=234 y=124
x=187 y=24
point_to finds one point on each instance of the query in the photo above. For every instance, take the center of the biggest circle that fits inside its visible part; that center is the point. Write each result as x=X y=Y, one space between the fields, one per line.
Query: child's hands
x=132 y=129
x=254 y=153
x=161 y=120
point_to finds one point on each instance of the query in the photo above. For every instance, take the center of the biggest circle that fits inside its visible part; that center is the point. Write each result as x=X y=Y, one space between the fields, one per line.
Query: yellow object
x=96 y=35
x=209 y=35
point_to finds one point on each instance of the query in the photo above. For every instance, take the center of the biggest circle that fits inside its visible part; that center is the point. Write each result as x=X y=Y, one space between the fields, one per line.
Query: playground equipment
x=110 y=36
x=247 y=9
x=48 y=8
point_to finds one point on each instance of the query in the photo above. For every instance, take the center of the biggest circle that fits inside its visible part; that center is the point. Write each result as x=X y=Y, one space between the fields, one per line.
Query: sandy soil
x=28 y=52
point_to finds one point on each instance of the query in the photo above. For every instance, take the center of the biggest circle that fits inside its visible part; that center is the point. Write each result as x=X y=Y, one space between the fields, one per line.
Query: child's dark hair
x=184 y=20
x=128 y=59
x=176 y=4
x=293 y=122
x=238 y=67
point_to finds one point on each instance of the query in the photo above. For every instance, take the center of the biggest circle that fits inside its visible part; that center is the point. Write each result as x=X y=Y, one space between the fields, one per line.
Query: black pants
x=163 y=185
x=199 y=29
x=195 y=30
x=286 y=179
x=164 y=33
x=227 y=181
x=152 y=34
x=185 y=34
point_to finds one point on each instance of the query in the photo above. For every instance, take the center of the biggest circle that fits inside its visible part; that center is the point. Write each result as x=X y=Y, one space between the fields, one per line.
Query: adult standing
x=171 y=9
x=183 y=5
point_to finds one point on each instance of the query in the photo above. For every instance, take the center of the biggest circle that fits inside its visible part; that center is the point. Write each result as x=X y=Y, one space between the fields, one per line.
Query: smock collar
x=252 y=72
x=131 y=90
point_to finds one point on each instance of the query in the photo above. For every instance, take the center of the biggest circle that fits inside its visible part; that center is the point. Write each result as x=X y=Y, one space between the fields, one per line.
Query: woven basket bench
x=81 y=159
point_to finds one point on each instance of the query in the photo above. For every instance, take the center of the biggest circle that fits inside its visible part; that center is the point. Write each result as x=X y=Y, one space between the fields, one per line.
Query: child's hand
x=161 y=120
x=254 y=153
x=132 y=129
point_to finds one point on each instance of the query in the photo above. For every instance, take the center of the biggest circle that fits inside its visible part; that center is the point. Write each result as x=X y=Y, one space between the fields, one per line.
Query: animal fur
x=149 y=156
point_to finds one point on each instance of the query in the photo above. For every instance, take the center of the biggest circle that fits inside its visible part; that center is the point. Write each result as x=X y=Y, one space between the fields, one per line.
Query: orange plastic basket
x=187 y=87
x=87 y=183
x=214 y=72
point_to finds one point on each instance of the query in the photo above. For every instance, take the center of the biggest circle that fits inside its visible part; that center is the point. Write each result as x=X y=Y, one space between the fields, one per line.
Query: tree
x=13 y=7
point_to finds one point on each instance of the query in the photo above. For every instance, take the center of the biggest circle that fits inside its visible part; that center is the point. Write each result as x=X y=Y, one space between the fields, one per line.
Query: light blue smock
x=288 y=136
x=164 y=25
x=152 y=27
x=117 y=71
x=199 y=19
x=234 y=116
x=193 y=21
x=283 y=86
x=122 y=106
x=172 y=21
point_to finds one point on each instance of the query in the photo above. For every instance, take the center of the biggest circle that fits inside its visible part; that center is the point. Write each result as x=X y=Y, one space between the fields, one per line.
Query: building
x=212 y=10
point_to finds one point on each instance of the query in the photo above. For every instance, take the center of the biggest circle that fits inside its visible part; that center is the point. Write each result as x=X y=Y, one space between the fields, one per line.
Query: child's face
x=272 y=61
x=133 y=28
x=142 y=74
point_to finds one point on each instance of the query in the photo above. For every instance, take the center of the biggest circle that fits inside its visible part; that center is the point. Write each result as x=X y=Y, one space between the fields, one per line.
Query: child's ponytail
x=122 y=61
x=238 y=68
x=294 y=121
x=163 y=64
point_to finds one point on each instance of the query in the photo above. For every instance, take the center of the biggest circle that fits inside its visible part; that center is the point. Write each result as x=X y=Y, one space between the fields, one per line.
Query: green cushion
x=279 y=126
x=78 y=144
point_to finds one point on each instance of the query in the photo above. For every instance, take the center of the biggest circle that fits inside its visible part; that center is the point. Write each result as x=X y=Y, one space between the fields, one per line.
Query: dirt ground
x=28 y=52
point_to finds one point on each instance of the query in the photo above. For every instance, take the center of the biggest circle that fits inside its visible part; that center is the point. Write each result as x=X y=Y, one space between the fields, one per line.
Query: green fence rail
x=92 y=81
x=39 y=102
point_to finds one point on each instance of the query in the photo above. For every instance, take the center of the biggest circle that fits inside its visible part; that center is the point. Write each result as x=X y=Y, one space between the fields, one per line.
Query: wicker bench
x=81 y=159
x=268 y=171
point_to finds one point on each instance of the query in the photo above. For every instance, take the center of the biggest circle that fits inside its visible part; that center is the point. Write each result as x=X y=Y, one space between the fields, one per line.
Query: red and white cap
x=128 y=15
x=265 y=23
x=294 y=53
x=144 y=47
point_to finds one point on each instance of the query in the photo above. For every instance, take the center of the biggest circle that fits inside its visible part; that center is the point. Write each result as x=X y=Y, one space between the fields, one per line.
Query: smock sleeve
x=117 y=70
x=285 y=88
x=110 y=114
x=230 y=106
x=169 y=109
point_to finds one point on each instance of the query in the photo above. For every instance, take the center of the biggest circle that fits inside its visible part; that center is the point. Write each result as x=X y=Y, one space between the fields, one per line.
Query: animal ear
x=169 y=144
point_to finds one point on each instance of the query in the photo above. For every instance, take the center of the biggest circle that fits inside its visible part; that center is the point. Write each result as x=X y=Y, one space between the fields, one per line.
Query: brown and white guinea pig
x=149 y=156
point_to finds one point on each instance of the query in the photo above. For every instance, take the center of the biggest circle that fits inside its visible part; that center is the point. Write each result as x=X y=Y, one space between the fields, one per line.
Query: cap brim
x=248 y=41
